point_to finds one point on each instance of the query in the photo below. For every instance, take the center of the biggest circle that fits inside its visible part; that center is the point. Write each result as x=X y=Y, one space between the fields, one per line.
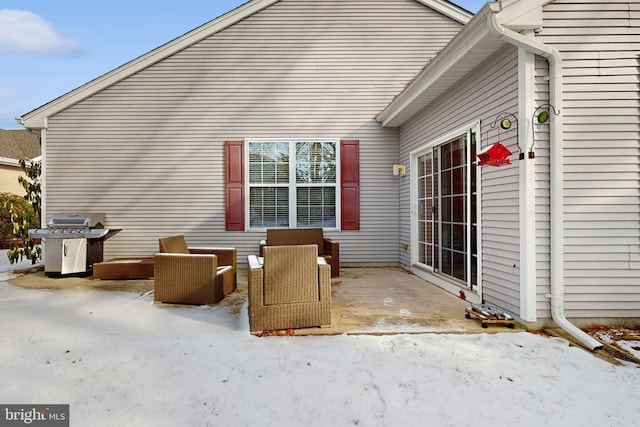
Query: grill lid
x=73 y=226
x=76 y=220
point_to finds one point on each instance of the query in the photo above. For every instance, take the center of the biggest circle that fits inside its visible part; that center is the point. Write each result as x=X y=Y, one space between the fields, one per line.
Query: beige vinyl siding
x=487 y=91
x=600 y=43
x=9 y=180
x=149 y=150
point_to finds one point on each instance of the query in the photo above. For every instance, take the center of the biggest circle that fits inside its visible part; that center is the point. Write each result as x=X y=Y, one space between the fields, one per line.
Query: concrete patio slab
x=375 y=300
x=392 y=300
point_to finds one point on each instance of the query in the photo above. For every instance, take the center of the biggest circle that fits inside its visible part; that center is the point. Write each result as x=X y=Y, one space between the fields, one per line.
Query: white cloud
x=25 y=32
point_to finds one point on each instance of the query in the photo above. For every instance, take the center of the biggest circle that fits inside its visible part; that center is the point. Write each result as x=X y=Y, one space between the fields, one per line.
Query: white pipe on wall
x=556 y=173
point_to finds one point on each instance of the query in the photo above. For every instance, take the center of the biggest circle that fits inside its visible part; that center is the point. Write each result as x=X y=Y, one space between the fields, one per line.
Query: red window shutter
x=350 y=184
x=234 y=155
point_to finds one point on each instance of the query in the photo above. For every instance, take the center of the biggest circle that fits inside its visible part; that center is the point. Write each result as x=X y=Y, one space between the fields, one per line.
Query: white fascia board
x=439 y=67
x=6 y=161
x=449 y=9
x=37 y=119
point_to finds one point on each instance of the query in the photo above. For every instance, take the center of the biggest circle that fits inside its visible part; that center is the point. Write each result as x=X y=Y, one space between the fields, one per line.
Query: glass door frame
x=468 y=130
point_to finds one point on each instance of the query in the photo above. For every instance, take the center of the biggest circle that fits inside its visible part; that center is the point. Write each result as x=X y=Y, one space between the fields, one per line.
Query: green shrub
x=24 y=219
x=8 y=203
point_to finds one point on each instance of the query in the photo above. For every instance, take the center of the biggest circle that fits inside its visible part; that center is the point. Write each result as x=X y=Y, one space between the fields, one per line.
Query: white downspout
x=556 y=174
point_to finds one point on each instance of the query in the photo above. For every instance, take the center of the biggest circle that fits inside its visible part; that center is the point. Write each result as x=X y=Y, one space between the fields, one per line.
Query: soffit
x=463 y=53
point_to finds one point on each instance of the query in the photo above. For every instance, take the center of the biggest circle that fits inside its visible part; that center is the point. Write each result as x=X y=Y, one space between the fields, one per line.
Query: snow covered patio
x=117 y=359
x=364 y=300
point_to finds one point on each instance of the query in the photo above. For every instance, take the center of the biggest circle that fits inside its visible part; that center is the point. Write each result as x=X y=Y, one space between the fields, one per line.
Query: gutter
x=556 y=173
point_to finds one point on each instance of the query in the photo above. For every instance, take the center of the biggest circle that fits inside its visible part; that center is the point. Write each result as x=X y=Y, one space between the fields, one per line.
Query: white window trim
x=292 y=205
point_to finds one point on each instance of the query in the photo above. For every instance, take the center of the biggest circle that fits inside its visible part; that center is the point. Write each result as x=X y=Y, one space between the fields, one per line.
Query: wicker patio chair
x=186 y=275
x=327 y=248
x=290 y=287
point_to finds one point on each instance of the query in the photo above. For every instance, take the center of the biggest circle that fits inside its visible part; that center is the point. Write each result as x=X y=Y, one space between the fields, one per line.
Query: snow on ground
x=119 y=360
x=6 y=266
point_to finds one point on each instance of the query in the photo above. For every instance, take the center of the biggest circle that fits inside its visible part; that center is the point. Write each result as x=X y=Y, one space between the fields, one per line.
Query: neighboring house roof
x=37 y=119
x=18 y=145
x=470 y=47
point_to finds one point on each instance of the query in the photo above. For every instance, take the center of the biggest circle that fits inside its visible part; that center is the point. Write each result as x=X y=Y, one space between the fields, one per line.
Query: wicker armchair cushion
x=296 y=236
x=174 y=245
x=327 y=248
x=290 y=274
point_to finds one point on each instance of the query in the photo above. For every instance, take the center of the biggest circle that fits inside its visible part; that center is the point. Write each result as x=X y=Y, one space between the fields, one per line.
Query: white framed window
x=293 y=183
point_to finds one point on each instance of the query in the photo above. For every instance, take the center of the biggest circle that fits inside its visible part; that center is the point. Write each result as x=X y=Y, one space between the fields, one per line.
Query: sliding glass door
x=446 y=209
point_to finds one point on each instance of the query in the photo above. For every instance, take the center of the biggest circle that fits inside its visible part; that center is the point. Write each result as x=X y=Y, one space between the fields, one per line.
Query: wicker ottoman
x=124 y=268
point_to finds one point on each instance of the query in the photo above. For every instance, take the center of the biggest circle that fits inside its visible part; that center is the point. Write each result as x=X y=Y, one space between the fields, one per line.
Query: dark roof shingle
x=19 y=144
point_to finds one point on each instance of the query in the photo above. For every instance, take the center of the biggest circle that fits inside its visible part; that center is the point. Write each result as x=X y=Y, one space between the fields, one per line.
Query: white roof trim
x=37 y=119
x=449 y=9
x=473 y=44
x=417 y=93
x=6 y=161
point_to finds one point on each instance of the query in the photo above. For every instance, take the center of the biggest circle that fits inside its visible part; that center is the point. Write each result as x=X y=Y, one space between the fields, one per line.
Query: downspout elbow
x=493 y=24
x=519 y=40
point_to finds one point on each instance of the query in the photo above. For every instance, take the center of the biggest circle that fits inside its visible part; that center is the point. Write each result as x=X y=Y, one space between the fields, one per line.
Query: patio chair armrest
x=332 y=253
x=253 y=262
x=255 y=283
x=188 y=279
x=186 y=258
x=223 y=269
x=185 y=266
x=324 y=280
x=261 y=246
x=331 y=247
x=226 y=256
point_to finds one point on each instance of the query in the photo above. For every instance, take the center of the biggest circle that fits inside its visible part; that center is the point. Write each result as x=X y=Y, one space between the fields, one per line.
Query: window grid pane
x=268 y=162
x=316 y=207
x=315 y=162
x=269 y=206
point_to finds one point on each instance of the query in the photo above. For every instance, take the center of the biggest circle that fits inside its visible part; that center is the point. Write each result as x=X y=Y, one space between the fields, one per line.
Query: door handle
x=64 y=247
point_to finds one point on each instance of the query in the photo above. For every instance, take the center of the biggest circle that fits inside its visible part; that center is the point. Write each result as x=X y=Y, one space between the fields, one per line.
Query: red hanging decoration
x=494 y=155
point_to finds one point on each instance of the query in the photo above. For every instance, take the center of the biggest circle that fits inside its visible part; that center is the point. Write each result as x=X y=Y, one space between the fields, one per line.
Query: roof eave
x=438 y=75
x=7 y=161
x=37 y=119
x=449 y=9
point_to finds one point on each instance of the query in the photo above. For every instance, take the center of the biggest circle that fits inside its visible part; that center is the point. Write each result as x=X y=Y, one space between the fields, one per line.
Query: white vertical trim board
x=526 y=70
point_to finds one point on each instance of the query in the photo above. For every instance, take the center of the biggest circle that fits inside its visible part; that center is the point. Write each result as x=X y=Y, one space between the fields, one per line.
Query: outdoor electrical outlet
x=404 y=246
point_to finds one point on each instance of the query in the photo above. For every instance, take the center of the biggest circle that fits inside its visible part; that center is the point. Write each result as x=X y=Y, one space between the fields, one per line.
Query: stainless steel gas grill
x=73 y=242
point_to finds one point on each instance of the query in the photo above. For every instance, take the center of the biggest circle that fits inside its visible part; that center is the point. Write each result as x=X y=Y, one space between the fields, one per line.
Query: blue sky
x=48 y=48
